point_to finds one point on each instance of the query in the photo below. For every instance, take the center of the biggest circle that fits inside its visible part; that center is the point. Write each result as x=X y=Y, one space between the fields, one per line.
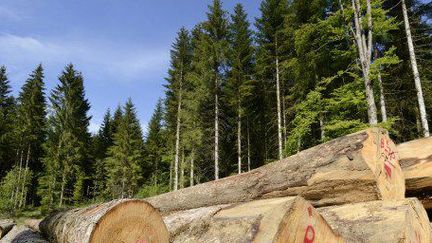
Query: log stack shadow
x=351 y=189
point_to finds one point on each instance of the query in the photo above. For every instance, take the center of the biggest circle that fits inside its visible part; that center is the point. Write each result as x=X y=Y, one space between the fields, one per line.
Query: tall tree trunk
x=17 y=188
x=364 y=45
x=171 y=175
x=248 y=148
x=177 y=144
x=382 y=98
x=416 y=74
x=321 y=121
x=278 y=104
x=284 y=120
x=216 y=124
x=182 y=169
x=63 y=188
x=239 y=152
x=23 y=183
x=191 y=176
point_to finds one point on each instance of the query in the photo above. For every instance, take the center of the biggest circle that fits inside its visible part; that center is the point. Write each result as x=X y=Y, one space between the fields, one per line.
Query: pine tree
x=6 y=116
x=215 y=43
x=67 y=148
x=270 y=38
x=102 y=141
x=239 y=83
x=124 y=162
x=30 y=126
x=181 y=55
x=154 y=146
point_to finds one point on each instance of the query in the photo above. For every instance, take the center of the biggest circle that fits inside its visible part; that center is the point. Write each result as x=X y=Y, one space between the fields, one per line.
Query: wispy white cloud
x=101 y=58
x=9 y=14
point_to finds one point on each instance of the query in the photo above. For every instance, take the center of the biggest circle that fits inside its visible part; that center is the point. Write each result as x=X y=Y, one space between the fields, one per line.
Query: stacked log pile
x=289 y=219
x=354 y=168
x=351 y=189
x=416 y=161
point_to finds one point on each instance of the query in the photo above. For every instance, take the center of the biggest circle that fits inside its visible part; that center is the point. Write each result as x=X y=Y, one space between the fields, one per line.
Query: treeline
x=237 y=97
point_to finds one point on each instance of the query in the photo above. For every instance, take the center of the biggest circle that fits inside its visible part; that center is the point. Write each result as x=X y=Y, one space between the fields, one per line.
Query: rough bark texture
x=380 y=221
x=22 y=234
x=5 y=226
x=358 y=167
x=115 y=221
x=416 y=160
x=289 y=219
x=417 y=82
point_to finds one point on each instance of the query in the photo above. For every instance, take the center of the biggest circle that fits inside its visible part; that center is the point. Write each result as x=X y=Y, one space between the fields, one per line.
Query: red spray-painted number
x=388 y=169
x=309 y=235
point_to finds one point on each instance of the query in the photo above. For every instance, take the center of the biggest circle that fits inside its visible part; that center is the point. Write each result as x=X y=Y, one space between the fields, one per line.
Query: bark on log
x=416 y=161
x=355 y=168
x=116 y=221
x=380 y=221
x=289 y=219
x=5 y=226
x=22 y=234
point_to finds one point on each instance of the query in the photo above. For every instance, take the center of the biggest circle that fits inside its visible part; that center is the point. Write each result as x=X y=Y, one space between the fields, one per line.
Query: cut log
x=116 y=221
x=22 y=234
x=33 y=224
x=354 y=168
x=415 y=152
x=289 y=219
x=380 y=221
x=5 y=226
x=416 y=161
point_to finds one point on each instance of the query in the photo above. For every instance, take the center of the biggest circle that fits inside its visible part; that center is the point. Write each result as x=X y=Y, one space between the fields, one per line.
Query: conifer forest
x=238 y=95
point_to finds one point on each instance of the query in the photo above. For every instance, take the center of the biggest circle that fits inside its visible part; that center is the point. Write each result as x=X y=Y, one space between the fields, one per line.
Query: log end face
x=380 y=153
x=304 y=224
x=133 y=221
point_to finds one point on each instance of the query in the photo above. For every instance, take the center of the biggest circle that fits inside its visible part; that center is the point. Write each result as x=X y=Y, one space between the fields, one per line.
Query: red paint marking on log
x=310 y=211
x=309 y=234
x=388 y=169
x=141 y=241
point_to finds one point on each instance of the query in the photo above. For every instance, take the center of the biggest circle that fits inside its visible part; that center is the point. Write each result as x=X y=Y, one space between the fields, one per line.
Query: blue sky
x=121 y=47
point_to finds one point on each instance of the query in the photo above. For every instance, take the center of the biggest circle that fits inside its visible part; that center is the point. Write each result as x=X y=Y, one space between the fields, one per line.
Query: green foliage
x=152 y=190
x=67 y=146
x=123 y=163
x=13 y=190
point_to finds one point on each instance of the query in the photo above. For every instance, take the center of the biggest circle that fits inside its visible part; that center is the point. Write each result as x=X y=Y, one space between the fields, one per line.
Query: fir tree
x=102 y=141
x=124 y=164
x=181 y=55
x=215 y=44
x=154 y=146
x=6 y=116
x=30 y=126
x=270 y=38
x=67 y=148
x=239 y=83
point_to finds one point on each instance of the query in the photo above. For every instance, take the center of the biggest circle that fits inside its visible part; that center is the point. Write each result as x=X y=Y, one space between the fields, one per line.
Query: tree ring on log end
x=130 y=221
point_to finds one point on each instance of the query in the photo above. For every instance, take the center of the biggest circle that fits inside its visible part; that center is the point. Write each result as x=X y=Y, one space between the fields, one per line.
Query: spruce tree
x=30 y=126
x=239 y=85
x=215 y=44
x=154 y=146
x=181 y=55
x=6 y=116
x=124 y=162
x=67 y=147
x=270 y=38
x=101 y=142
